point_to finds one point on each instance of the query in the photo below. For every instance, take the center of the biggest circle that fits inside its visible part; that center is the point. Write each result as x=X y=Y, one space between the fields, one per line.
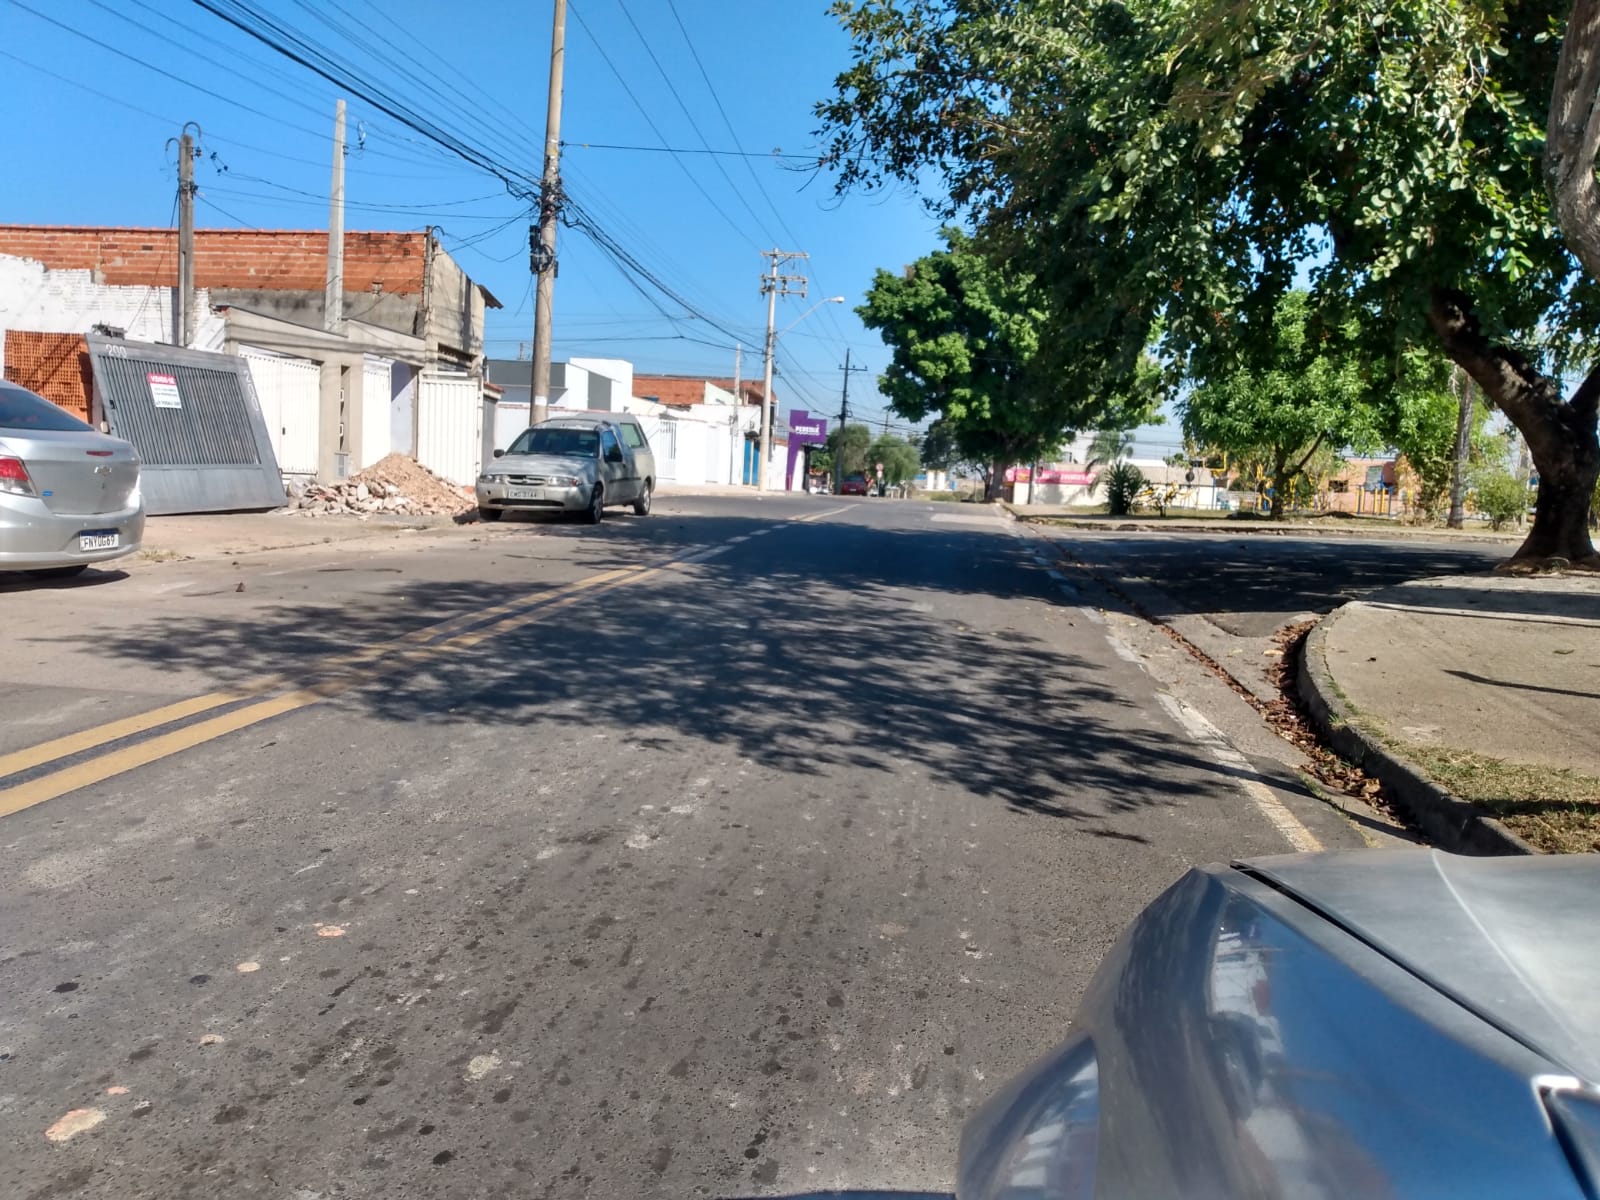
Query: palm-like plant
x=1109 y=446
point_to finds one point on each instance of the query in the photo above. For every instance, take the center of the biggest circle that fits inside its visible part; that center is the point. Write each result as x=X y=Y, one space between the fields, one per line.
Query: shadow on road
x=1248 y=585
x=848 y=655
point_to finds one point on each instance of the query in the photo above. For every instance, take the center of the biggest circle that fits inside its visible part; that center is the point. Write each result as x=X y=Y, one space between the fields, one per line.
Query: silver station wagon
x=582 y=463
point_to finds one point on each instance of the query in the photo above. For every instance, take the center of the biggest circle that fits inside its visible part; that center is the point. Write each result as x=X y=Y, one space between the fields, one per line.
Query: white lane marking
x=734 y=541
x=1208 y=735
x=1124 y=651
x=762 y=532
x=1093 y=614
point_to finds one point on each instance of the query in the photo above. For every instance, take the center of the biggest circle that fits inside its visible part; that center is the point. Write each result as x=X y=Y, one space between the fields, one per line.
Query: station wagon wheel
x=597 y=505
x=641 y=506
x=491 y=514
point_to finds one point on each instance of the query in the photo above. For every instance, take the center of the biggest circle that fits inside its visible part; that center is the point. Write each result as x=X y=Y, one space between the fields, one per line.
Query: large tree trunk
x=1280 y=486
x=1561 y=435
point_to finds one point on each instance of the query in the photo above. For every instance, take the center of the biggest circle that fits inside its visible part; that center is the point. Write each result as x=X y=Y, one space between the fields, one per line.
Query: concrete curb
x=1229 y=528
x=1452 y=823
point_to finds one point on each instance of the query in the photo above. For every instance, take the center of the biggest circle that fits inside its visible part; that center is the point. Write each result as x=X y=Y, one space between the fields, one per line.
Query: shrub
x=1123 y=482
x=1501 y=497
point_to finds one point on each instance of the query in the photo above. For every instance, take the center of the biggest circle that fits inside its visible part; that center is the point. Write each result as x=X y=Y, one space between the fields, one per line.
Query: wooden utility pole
x=333 y=298
x=184 y=329
x=543 y=241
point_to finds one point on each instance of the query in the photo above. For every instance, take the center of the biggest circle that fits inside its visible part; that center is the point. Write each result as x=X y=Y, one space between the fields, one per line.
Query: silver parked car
x=69 y=495
x=578 y=463
x=1384 y=1024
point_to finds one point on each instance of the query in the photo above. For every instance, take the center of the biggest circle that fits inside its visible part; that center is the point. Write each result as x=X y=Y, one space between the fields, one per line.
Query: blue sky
x=696 y=221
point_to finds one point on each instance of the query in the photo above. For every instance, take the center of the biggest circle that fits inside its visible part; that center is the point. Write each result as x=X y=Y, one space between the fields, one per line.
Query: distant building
x=402 y=372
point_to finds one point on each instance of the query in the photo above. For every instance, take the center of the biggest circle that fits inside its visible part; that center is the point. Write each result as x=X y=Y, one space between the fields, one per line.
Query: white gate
x=377 y=390
x=450 y=426
x=290 y=391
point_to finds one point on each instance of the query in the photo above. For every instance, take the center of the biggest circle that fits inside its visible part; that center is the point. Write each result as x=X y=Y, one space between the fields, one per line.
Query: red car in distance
x=854 y=485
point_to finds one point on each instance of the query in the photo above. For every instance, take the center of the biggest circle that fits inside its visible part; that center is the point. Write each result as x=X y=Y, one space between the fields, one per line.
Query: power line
x=294 y=47
x=164 y=73
x=650 y=121
x=693 y=124
x=772 y=154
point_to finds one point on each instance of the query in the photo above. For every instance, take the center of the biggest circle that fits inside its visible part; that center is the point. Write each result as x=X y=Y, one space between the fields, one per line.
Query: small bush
x=1123 y=482
x=1501 y=497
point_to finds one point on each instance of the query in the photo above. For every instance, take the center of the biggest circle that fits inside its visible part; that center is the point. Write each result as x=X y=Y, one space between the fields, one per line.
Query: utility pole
x=773 y=285
x=844 y=416
x=184 y=326
x=543 y=240
x=737 y=448
x=333 y=299
x=1468 y=397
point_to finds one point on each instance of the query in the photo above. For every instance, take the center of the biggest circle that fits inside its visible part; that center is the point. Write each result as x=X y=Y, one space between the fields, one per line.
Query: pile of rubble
x=397 y=485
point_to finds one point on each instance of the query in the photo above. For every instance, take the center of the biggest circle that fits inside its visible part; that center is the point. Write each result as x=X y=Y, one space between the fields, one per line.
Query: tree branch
x=1301 y=465
x=1585 y=401
x=1516 y=387
x=1572 y=136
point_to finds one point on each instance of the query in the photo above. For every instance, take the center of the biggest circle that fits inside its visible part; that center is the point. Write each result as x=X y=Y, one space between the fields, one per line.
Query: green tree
x=1435 y=161
x=849 y=445
x=966 y=348
x=898 y=456
x=1500 y=496
x=1306 y=395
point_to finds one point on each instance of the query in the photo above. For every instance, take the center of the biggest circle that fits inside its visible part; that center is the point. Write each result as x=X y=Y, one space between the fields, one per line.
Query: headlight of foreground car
x=1040 y=1136
x=565 y=481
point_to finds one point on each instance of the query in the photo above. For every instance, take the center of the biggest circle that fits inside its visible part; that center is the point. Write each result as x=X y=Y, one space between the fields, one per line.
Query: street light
x=766 y=391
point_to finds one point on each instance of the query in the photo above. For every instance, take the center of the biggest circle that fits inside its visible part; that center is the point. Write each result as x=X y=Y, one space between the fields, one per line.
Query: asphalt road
x=739 y=850
x=1250 y=584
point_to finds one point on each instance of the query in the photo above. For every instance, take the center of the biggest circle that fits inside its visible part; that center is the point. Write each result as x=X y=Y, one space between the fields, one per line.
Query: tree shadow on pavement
x=1225 y=578
x=854 y=655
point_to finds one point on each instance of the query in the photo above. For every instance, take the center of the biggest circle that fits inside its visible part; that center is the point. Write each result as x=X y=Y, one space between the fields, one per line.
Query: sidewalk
x=1480 y=689
x=1064 y=517
x=222 y=535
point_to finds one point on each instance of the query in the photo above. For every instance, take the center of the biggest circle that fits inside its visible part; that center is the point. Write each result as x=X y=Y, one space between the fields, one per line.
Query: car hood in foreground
x=1511 y=939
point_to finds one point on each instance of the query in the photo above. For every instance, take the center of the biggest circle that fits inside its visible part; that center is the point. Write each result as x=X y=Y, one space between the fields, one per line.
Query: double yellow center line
x=331 y=677
x=338 y=675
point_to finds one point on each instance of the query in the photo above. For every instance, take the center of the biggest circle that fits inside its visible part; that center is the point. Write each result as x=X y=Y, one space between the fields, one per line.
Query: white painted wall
x=377 y=394
x=450 y=426
x=290 y=393
x=38 y=300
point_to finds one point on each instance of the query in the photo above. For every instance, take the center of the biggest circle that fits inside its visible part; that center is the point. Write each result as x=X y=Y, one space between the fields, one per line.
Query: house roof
x=684 y=391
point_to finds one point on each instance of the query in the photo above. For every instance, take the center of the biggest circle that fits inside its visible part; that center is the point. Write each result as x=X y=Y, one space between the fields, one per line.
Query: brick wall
x=56 y=365
x=276 y=259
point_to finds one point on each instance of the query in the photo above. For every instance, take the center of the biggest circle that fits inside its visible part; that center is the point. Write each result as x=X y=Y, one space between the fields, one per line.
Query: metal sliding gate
x=195 y=420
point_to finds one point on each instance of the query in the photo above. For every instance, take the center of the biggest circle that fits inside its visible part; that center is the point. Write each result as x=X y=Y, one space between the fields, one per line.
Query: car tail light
x=14 y=477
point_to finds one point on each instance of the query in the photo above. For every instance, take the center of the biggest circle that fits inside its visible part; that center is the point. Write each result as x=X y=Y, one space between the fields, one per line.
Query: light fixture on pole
x=766 y=391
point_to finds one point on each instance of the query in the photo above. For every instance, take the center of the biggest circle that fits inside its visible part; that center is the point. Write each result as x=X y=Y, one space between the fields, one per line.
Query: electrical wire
x=772 y=154
x=656 y=129
x=244 y=17
x=693 y=124
x=162 y=72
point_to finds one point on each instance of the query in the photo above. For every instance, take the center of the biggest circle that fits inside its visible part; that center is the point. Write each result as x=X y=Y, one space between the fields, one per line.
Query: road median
x=1468 y=698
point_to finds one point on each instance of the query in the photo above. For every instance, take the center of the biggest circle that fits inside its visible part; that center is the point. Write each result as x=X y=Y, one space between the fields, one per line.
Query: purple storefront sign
x=805 y=430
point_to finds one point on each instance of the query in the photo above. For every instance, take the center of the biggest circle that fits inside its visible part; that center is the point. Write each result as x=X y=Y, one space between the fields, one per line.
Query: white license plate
x=524 y=493
x=98 y=541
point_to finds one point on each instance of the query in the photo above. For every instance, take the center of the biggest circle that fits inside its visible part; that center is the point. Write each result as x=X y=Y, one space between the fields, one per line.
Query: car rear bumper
x=498 y=495
x=33 y=537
